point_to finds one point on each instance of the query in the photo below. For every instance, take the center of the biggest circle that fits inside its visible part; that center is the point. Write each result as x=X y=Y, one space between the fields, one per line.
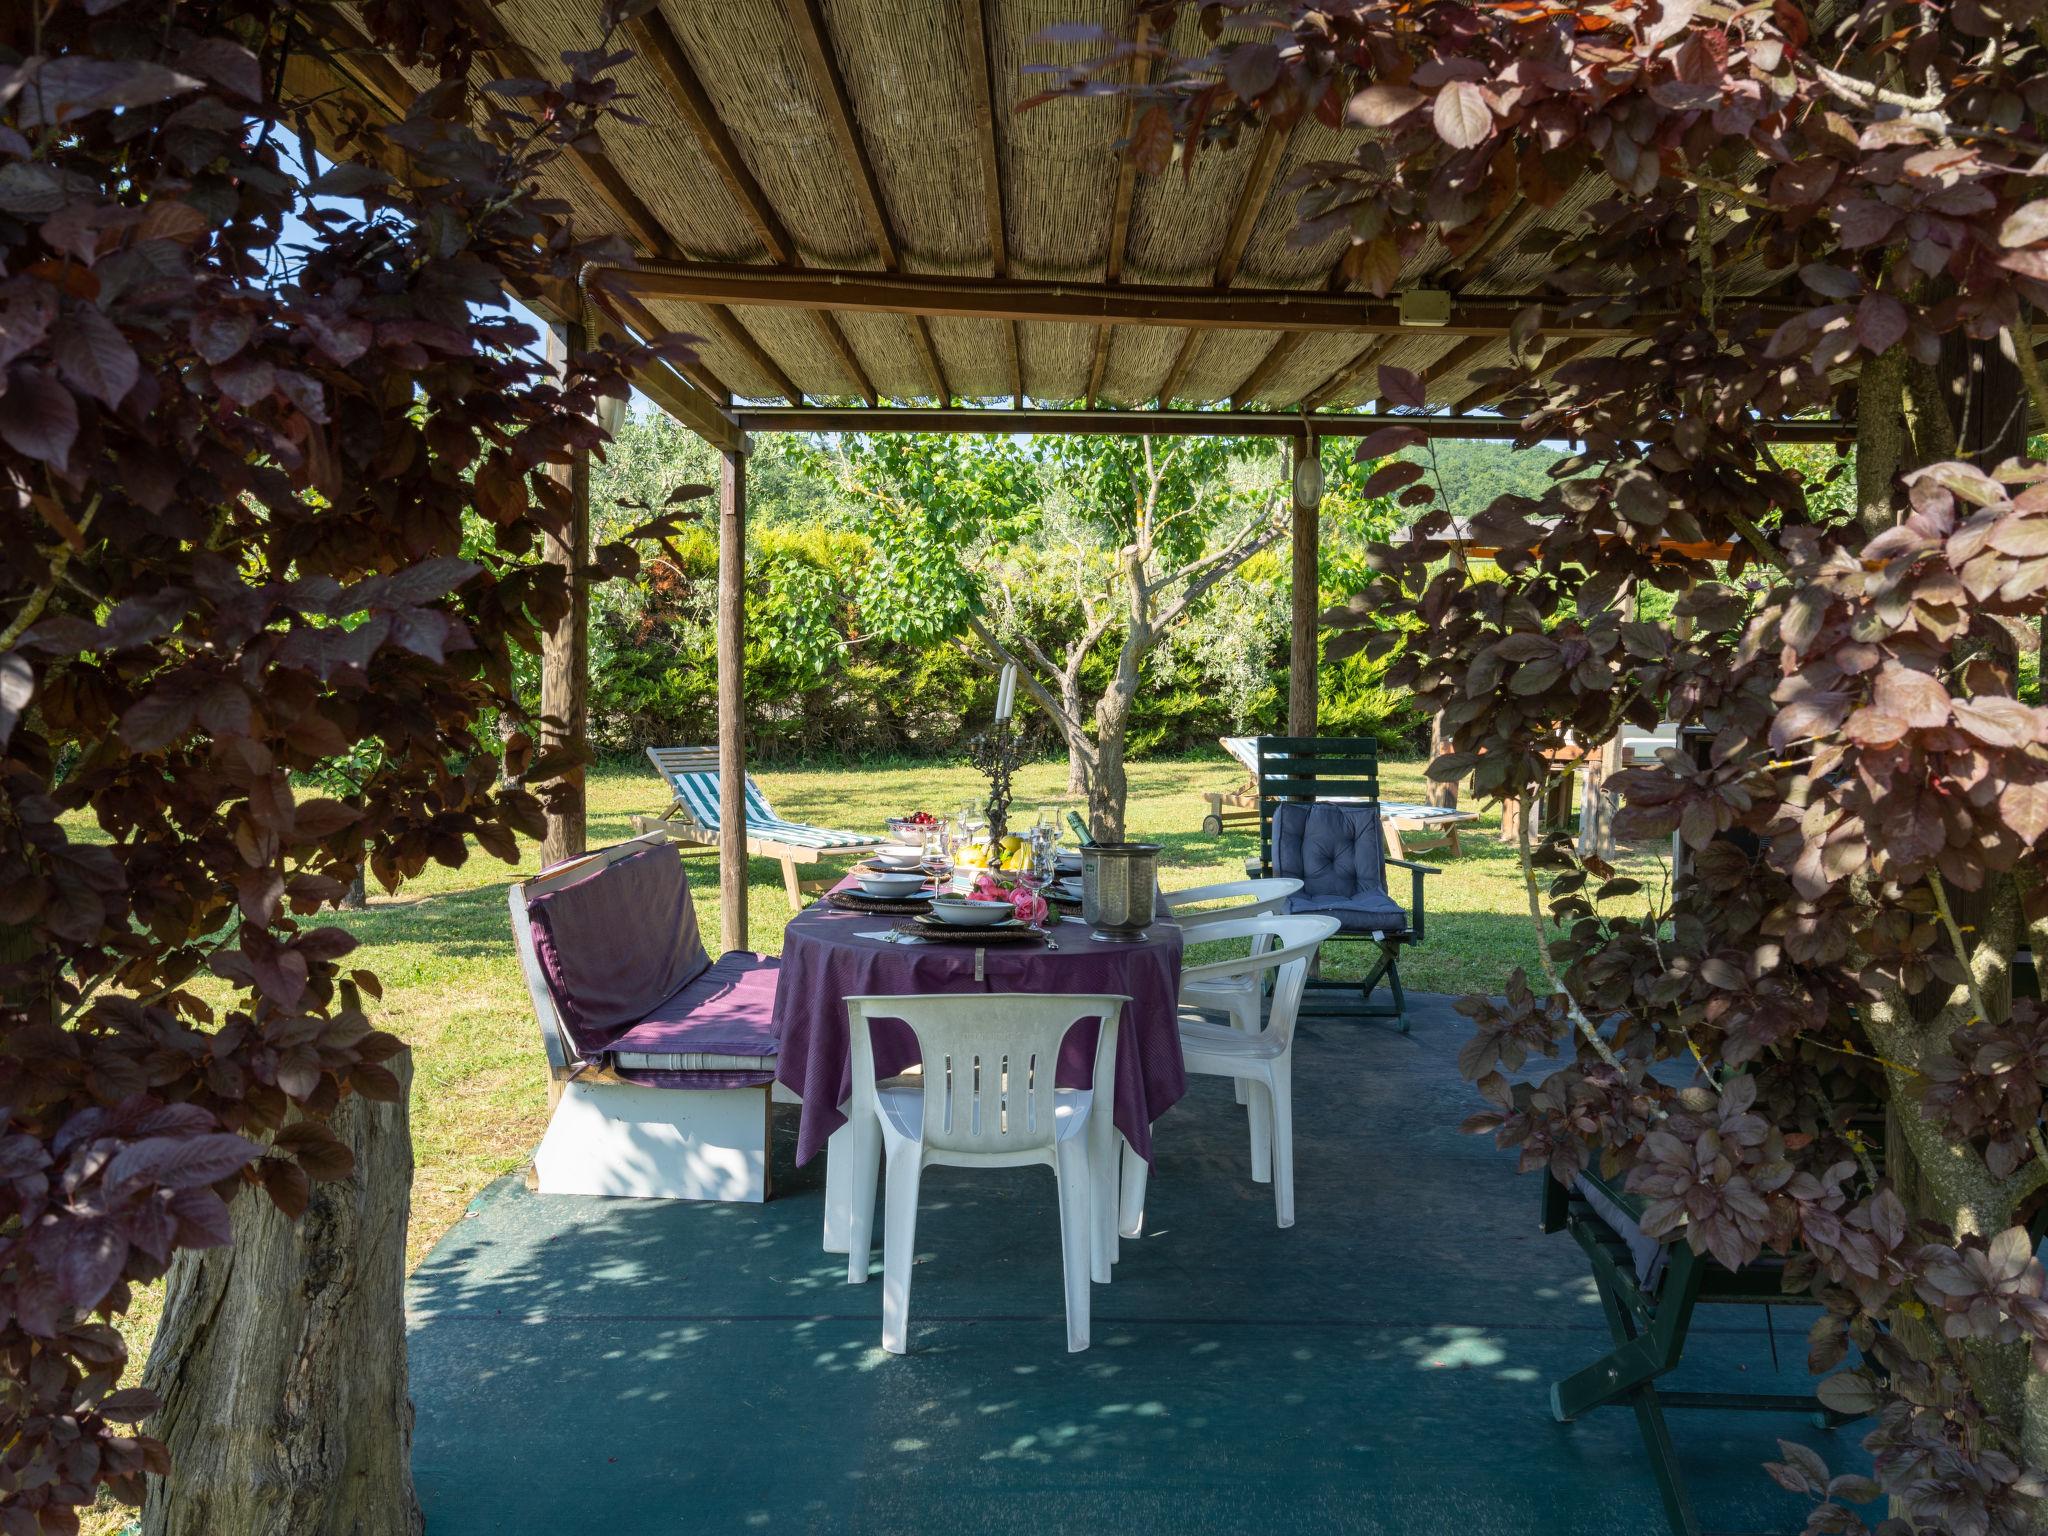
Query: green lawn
x=452 y=986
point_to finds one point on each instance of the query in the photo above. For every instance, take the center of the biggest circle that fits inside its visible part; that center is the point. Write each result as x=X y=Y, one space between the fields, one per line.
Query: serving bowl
x=971 y=914
x=897 y=860
x=888 y=887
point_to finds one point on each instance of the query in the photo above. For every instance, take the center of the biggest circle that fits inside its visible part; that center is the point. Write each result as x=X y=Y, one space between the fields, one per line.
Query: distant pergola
x=844 y=201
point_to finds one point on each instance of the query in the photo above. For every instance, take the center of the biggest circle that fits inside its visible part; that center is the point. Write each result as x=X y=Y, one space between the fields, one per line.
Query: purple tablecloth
x=825 y=961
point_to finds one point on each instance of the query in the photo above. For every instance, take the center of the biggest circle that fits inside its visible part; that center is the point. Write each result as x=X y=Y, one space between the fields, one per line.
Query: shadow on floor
x=646 y=1366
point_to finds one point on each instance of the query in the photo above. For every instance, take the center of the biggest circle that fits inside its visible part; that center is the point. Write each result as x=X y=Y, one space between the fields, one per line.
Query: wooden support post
x=732 y=714
x=565 y=650
x=1307 y=599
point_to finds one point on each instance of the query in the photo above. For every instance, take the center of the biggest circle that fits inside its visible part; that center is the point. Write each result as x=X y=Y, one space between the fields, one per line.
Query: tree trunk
x=565 y=649
x=1439 y=793
x=1077 y=756
x=1109 y=787
x=281 y=1358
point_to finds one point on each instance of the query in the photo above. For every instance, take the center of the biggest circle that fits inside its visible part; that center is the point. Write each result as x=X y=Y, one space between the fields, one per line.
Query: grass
x=452 y=987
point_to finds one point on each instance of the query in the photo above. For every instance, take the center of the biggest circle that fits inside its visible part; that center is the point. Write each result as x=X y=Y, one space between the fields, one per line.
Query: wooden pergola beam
x=1348 y=374
x=1251 y=200
x=981 y=80
x=634 y=316
x=1275 y=359
x=741 y=340
x=1019 y=299
x=599 y=174
x=1120 y=209
x=835 y=340
x=808 y=18
x=1555 y=358
x=974 y=29
x=1049 y=422
x=657 y=46
x=1459 y=356
x=1169 y=385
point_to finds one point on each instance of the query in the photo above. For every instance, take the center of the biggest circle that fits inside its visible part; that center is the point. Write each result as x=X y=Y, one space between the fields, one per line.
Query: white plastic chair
x=1248 y=898
x=1238 y=997
x=1263 y=1062
x=987 y=1100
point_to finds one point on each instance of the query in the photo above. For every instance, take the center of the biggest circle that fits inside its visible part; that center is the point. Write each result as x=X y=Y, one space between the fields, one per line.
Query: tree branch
x=1557 y=986
x=1073 y=730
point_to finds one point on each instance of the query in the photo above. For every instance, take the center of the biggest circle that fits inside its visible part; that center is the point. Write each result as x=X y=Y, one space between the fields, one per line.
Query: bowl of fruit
x=912 y=828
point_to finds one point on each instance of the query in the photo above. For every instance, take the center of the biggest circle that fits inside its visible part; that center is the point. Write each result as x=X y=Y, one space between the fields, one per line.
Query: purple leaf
x=94 y=357
x=92 y=1258
x=1398 y=386
x=39 y=418
x=1463 y=115
x=180 y=1162
x=1381 y=105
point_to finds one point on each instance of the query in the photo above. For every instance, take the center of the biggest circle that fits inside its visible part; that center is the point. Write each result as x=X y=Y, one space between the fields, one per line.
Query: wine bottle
x=1080 y=828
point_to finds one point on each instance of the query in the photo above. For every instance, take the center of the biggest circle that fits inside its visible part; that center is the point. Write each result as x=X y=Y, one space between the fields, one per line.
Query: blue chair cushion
x=1335 y=851
x=1366 y=912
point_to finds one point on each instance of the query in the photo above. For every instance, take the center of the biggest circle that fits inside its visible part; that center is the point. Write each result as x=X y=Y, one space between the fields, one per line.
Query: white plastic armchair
x=1247 y=898
x=1239 y=998
x=987 y=1099
x=1262 y=1061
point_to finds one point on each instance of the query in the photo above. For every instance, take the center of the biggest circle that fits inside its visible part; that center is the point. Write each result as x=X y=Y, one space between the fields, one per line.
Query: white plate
x=907 y=863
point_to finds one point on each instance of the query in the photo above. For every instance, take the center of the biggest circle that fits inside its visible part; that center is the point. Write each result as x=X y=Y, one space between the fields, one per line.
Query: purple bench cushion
x=727 y=1010
x=617 y=944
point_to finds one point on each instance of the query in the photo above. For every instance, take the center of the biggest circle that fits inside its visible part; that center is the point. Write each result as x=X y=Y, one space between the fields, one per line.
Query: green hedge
x=818 y=687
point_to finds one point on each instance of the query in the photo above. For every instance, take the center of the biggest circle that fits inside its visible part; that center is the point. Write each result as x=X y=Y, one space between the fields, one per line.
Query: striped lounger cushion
x=699 y=792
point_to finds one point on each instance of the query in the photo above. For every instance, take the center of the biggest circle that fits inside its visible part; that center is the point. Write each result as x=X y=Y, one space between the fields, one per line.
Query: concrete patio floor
x=643 y=1366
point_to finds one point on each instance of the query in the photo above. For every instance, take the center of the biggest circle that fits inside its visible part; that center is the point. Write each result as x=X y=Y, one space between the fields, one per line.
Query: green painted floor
x=643 y=1366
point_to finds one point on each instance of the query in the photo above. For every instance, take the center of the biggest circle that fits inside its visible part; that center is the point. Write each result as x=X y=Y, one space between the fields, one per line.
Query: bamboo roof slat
x=1056 y=159
x=974 y=354
x=753 y=68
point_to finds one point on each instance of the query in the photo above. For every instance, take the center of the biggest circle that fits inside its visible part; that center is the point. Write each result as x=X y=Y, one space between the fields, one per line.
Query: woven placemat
x=953 y=933
x=853 y=901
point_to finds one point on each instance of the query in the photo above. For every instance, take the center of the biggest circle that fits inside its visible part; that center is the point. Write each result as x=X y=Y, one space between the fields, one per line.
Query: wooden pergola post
x=732 y=694
x=1306 y=499
x=565 y=649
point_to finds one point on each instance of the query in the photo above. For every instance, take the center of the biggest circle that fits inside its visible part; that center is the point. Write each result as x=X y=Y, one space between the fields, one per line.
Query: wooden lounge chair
x=1240 y=807
x=1320 y=822
x=691 y=774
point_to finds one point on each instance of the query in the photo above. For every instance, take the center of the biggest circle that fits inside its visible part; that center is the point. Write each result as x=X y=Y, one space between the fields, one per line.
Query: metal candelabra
x=994 y=752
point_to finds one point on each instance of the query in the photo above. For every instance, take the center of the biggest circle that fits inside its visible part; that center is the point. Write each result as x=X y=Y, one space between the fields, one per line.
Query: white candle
x=1006 y=692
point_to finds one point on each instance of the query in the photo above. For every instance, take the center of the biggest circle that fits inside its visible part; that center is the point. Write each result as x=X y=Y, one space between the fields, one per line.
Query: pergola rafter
x=1120 y=212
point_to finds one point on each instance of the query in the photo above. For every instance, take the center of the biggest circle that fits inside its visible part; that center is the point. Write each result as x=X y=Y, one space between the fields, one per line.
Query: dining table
x=830 y=954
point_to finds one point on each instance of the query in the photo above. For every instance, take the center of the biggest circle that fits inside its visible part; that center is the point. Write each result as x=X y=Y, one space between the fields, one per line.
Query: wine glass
x=938 y=853
x=1043 y=866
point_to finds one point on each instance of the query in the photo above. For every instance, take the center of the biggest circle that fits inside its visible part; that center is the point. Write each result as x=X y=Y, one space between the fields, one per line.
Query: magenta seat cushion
x=727 y=1010
x=617 y=944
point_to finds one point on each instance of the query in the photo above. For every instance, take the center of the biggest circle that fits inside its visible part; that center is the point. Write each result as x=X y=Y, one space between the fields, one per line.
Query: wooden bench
x=661 y=1061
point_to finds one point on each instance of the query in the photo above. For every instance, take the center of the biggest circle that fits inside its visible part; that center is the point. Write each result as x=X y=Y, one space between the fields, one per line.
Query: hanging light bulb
x=1308 y=475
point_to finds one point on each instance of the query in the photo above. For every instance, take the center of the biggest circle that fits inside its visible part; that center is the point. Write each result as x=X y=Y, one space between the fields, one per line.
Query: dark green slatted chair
x=1327 y=789
x=1649 y=1292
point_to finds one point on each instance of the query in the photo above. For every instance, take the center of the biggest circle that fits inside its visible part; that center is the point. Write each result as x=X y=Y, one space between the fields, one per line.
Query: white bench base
x=632 y=1141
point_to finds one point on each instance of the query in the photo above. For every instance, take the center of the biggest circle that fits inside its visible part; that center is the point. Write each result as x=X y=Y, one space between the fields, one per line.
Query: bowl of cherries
x=912 y=828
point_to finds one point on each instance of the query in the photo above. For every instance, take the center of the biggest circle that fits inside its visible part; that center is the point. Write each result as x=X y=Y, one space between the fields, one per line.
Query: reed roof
x=850 y=137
